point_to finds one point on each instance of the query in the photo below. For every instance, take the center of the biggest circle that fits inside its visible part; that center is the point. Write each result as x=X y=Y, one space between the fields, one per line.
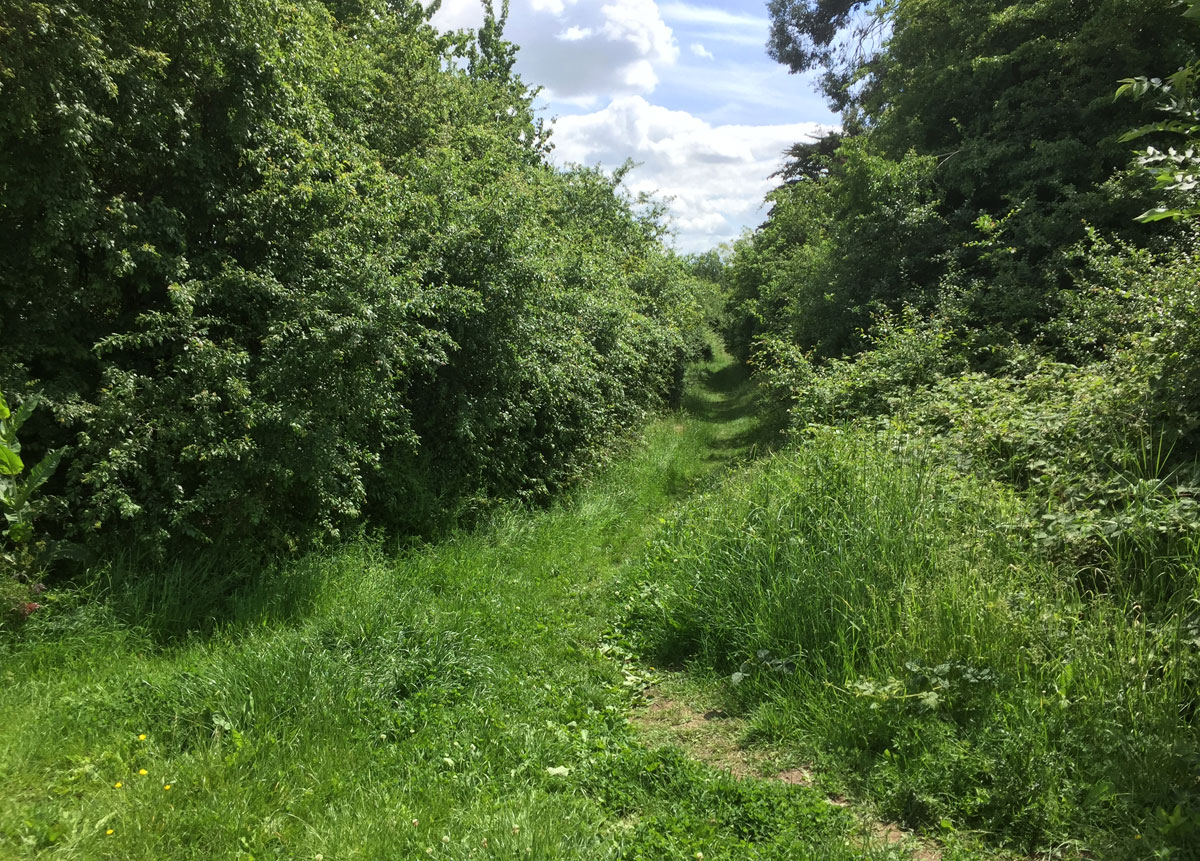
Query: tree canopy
x=1009 y=108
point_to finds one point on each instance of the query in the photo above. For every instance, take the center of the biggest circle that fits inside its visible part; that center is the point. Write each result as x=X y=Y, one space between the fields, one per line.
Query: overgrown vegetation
x=972 y=587
x=277 y=267
x=896 y=621
x=451 y=700
x=283 y=272
x=19 y=545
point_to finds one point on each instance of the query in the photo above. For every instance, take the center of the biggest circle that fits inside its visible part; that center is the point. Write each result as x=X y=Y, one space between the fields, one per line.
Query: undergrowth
x=896 y=620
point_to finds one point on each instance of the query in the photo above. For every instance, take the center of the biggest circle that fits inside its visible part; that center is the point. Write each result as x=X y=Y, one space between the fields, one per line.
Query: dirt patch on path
x=709 y=735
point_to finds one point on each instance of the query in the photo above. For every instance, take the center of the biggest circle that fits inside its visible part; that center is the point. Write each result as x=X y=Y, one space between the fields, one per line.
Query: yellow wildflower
x=143 y=772
x=118 y=785
x=168 y=786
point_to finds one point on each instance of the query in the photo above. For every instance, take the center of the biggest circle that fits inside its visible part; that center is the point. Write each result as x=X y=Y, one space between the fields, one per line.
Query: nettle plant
x=18 y=550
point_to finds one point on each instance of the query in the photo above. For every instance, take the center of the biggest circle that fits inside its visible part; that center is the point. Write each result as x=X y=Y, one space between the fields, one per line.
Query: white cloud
x=574 y=34
x=586 y=54
x=458 y=14
x=639 y=23
x=581 y=50
x=688 y=13
x=717 y=175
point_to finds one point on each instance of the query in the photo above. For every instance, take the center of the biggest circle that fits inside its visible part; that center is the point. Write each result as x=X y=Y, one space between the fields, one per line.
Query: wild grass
x=878 y=610
x=447 y=700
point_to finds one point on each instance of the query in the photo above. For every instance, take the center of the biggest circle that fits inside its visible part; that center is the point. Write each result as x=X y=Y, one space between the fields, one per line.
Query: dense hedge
x=278 y=264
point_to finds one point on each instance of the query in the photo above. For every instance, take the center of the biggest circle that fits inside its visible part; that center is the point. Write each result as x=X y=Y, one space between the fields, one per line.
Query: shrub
x=282 y=265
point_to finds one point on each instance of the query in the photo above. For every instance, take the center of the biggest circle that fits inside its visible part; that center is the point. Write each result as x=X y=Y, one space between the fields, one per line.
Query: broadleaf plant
x=1177 y=170
x=18 y=553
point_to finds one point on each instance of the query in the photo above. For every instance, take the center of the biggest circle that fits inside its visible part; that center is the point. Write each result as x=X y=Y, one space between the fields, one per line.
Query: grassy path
x=453 y=701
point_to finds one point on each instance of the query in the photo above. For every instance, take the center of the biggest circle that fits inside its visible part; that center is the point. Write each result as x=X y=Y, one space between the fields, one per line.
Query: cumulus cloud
x=717 y=175
x=581 y=51
x=732 y=110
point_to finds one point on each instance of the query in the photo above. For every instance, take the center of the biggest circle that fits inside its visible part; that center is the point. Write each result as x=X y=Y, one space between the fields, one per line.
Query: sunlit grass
x=885 y=617
x=447 y=700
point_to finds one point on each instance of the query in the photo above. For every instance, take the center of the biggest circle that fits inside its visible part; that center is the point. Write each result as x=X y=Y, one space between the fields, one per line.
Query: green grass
x=886 y=620
x=368 y=702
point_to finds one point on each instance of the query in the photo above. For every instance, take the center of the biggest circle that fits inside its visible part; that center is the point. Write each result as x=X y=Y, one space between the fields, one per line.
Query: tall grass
x=448 y=700
x=884 y=613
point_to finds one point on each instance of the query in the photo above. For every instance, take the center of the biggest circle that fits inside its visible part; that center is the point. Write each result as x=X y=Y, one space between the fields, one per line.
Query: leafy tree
x=810 y=160
x=862 y=236
x=1012 y=101
x=277 y=265
x=832 y=35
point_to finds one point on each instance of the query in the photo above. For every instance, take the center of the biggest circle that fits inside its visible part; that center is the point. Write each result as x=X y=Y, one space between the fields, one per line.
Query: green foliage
x=831 y=34
x=279 y=266
x=446 y=698
x=837 y=248
x=1174 y=171
x=998 y=119
x=1103 y=446
x=939 y=662
x=907 y=353
x=19 y=551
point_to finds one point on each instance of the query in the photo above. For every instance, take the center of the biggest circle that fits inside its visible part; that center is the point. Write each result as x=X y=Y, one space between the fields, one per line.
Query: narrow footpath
x=459 y=700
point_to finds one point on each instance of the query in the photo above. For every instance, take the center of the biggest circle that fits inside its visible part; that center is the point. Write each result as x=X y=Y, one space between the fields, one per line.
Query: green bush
x=861 y=237
x=280 y=266
x=19 y=551
x=907 y=352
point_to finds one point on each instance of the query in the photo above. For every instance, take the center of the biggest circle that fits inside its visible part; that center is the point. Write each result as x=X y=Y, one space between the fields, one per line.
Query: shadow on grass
x=726 y=396
x=174 y=600
x=199 y=594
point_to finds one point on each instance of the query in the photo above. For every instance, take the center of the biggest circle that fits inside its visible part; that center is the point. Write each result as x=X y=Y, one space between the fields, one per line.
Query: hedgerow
x=275 y=266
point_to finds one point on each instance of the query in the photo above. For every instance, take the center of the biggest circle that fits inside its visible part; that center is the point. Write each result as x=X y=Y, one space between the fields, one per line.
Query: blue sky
x=683 y=87
x=724 y=75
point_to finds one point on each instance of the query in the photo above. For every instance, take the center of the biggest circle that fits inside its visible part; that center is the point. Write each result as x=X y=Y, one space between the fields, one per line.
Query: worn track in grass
x=452 y=700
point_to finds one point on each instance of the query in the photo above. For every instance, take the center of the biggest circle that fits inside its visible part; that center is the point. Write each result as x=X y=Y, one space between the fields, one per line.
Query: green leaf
x=23 y=412
x=1172 y=126
x=4 y=413
x=10 y=462
x=1158 y=214
x=929 y=699
x=19 y=532
x=37 y=477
